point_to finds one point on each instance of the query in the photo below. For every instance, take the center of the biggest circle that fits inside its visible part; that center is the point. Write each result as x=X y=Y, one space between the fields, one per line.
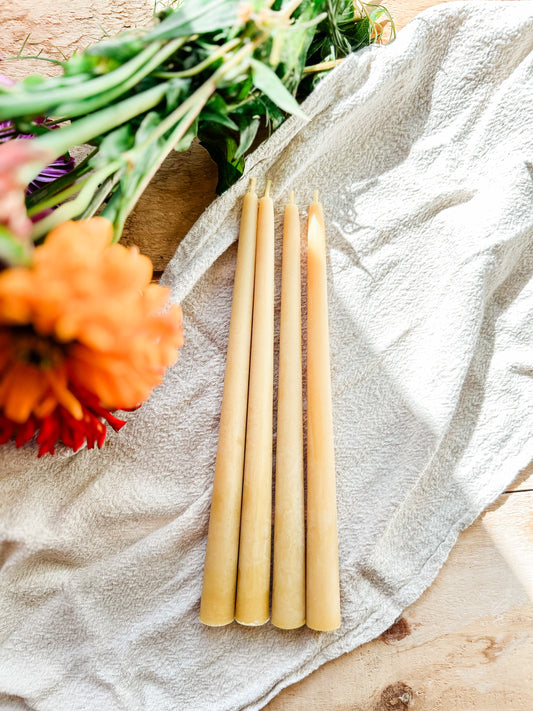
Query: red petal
x=7 y=429
x=49 y=433
x=25 y=432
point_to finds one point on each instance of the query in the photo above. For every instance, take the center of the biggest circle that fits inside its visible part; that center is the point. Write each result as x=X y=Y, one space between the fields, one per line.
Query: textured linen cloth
x=423 y=155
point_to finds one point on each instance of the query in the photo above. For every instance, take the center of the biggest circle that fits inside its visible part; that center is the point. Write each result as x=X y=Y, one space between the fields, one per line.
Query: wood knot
x=395 y=697
x=396 y=632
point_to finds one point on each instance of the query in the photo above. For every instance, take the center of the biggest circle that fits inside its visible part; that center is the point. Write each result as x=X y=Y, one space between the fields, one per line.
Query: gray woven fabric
x=423 y=155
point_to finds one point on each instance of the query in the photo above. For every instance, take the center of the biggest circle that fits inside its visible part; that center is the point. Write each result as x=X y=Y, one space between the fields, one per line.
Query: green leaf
x=223 y=153
x=185 y=141
x=177 y=91
x=253 y=107
x=270 y=84
x=296 y=42
x=215 y=117
x=118 y=49
x=248 y=133
x=274 y=115
x=150 y=122
x=216 y=111
x=245 y=89
x=217 y=103
x=80 y=64
x=113 y=146
x=133 y=174
x=196 y=17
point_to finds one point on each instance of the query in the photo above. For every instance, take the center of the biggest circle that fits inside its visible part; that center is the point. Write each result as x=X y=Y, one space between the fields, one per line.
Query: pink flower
x=6 y=81
x=14 y=155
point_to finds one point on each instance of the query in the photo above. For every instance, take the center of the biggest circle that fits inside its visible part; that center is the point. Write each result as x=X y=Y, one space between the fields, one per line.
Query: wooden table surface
x=467 y=643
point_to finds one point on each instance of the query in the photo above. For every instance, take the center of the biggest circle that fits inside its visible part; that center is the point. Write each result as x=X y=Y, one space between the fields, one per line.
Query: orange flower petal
x=26 y=388
x=70 y=240
x=46 y=406
x=58 y=382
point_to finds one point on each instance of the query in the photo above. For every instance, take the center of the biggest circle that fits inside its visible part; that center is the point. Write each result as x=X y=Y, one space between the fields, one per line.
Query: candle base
x=253 y=624
x=216 y=624
x=288 y=626
x=328 y=627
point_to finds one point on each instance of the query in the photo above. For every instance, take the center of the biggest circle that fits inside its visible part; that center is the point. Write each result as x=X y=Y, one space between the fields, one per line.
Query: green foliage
x=113 y=145
x=248 y=132
x=199 y=17
x=178 y=90
x=213 y=69
x=268 y=82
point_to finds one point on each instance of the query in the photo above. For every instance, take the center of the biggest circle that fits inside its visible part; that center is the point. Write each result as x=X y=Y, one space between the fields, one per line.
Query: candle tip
x=291 y=197
x=267 y=188
x=251 y=188
x=315 y=196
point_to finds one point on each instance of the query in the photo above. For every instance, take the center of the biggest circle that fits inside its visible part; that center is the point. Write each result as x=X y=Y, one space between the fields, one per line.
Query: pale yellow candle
x=322 y=589
x=253 y=582
x=220 y=572
x=288 y=583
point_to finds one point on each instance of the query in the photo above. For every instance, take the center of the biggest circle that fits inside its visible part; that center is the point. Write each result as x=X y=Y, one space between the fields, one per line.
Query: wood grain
x=467 y=643
x=178 y=194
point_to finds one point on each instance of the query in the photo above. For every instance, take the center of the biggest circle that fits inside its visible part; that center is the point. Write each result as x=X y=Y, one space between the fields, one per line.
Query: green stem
x=70 y=109
x=57 y=198
x=184 y=115
x=51 y=189
x=202 y=94
x=35 y=56
x=121 y=214
x=111 y=211
x=82 y=131
x=198 y=68
x=38 y=102
x=323 y=66
x=100 y=196
x=73 y=208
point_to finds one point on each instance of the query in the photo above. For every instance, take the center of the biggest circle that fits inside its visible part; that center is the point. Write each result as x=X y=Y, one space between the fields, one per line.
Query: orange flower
x=82 y=332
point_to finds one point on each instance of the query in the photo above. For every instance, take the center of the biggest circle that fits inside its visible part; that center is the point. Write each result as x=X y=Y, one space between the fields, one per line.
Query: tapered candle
x=288 y=583
x=322 y=588
x=220 y=572
x=253 y=582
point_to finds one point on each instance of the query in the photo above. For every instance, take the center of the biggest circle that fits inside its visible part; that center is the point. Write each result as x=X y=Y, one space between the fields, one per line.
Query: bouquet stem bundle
x=211 y=69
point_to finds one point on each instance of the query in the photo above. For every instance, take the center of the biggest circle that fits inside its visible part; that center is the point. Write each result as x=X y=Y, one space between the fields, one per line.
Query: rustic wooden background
x=467 y=644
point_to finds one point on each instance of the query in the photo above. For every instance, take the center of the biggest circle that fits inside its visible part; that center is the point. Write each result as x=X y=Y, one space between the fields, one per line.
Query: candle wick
x=251 y=189
x=291 y=197
x=267 y=188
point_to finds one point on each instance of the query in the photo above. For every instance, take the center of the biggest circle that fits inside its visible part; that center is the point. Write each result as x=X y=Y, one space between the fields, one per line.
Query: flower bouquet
x=83 y=331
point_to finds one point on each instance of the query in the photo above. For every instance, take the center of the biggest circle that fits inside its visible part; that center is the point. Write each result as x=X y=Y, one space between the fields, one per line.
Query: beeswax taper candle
x=322 y=588
x=220 y=572
x=253 y=581
x=288 y=583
